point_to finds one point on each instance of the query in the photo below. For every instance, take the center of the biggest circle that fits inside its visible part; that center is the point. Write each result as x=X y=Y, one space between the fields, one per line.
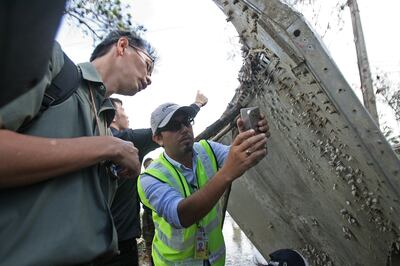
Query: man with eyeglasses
x=55 y=189
x=125 y=207
x=184 y=185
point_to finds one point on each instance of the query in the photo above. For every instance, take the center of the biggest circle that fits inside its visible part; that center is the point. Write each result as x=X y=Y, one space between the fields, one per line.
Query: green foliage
x=98 y=17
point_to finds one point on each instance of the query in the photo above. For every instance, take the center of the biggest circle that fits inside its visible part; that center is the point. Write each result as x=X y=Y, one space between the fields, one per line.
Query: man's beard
x=188 y=149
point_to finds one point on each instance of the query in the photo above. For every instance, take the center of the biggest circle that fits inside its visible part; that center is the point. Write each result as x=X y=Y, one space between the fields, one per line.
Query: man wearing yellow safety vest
x=184 y=185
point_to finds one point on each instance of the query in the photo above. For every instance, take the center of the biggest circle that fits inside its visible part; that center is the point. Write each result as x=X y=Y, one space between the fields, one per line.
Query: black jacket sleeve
x=196 y=108
x=141 y=138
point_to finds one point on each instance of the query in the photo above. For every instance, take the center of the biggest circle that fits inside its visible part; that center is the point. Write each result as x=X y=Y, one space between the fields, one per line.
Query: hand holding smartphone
x=250 y=116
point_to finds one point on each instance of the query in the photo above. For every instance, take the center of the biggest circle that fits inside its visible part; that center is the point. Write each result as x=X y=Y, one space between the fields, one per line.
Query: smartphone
x=250 y=116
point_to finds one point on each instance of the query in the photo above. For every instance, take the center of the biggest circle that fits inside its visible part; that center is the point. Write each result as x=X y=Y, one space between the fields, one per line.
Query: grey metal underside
x=329 y=186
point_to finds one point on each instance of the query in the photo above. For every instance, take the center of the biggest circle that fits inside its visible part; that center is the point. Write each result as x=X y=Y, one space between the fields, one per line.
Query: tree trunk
x=363 y=64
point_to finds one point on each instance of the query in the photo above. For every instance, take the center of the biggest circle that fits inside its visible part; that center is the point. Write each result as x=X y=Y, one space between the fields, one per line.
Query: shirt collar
x=90 y=73
x=179 y=165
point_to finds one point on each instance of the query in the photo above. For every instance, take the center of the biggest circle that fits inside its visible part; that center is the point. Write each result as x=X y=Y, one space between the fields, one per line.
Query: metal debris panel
x=329 y=186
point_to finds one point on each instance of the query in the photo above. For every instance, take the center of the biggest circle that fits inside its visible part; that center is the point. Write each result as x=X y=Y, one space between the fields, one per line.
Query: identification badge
x=201 y=245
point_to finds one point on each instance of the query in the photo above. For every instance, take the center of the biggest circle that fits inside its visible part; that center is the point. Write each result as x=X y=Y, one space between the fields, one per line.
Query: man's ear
x=158 y=139
x=122 y=45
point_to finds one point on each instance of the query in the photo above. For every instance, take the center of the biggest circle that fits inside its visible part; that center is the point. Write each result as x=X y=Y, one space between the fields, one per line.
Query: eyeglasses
x=175 y=125
x=146 y=57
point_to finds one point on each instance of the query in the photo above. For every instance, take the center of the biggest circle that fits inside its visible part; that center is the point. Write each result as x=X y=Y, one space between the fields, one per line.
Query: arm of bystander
x=27 y=159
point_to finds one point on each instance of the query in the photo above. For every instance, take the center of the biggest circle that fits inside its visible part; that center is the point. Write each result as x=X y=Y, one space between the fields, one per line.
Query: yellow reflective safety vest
x=173 y=246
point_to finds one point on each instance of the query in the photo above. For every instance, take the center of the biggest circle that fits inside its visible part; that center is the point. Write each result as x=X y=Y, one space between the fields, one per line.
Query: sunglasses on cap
x=175 y=125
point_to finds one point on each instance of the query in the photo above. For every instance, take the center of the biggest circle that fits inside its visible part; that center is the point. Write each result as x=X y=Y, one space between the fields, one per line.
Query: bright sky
x=195 y=43
x=193 y=47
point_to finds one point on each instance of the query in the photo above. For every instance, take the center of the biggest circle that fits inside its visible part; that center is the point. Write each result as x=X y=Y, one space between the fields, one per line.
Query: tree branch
x=83 y=22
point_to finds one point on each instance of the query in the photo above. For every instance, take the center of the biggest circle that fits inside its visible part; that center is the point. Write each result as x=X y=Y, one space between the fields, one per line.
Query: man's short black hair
x=113 y=37
x=114 y=101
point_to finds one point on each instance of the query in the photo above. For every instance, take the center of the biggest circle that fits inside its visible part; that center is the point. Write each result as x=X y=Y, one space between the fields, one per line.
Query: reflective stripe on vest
x=176 y=246
x=217 y=255
x=176 y=242
x=167 y=174
x=209 y=167
x=206 y=154
x=160 y=261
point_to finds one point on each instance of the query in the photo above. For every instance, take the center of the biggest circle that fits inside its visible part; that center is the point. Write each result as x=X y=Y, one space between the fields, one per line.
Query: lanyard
x=181 y=178
x=94 y=109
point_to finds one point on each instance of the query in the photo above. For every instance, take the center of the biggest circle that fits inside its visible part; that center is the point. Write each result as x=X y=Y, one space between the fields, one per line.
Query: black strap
x=63 y=85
